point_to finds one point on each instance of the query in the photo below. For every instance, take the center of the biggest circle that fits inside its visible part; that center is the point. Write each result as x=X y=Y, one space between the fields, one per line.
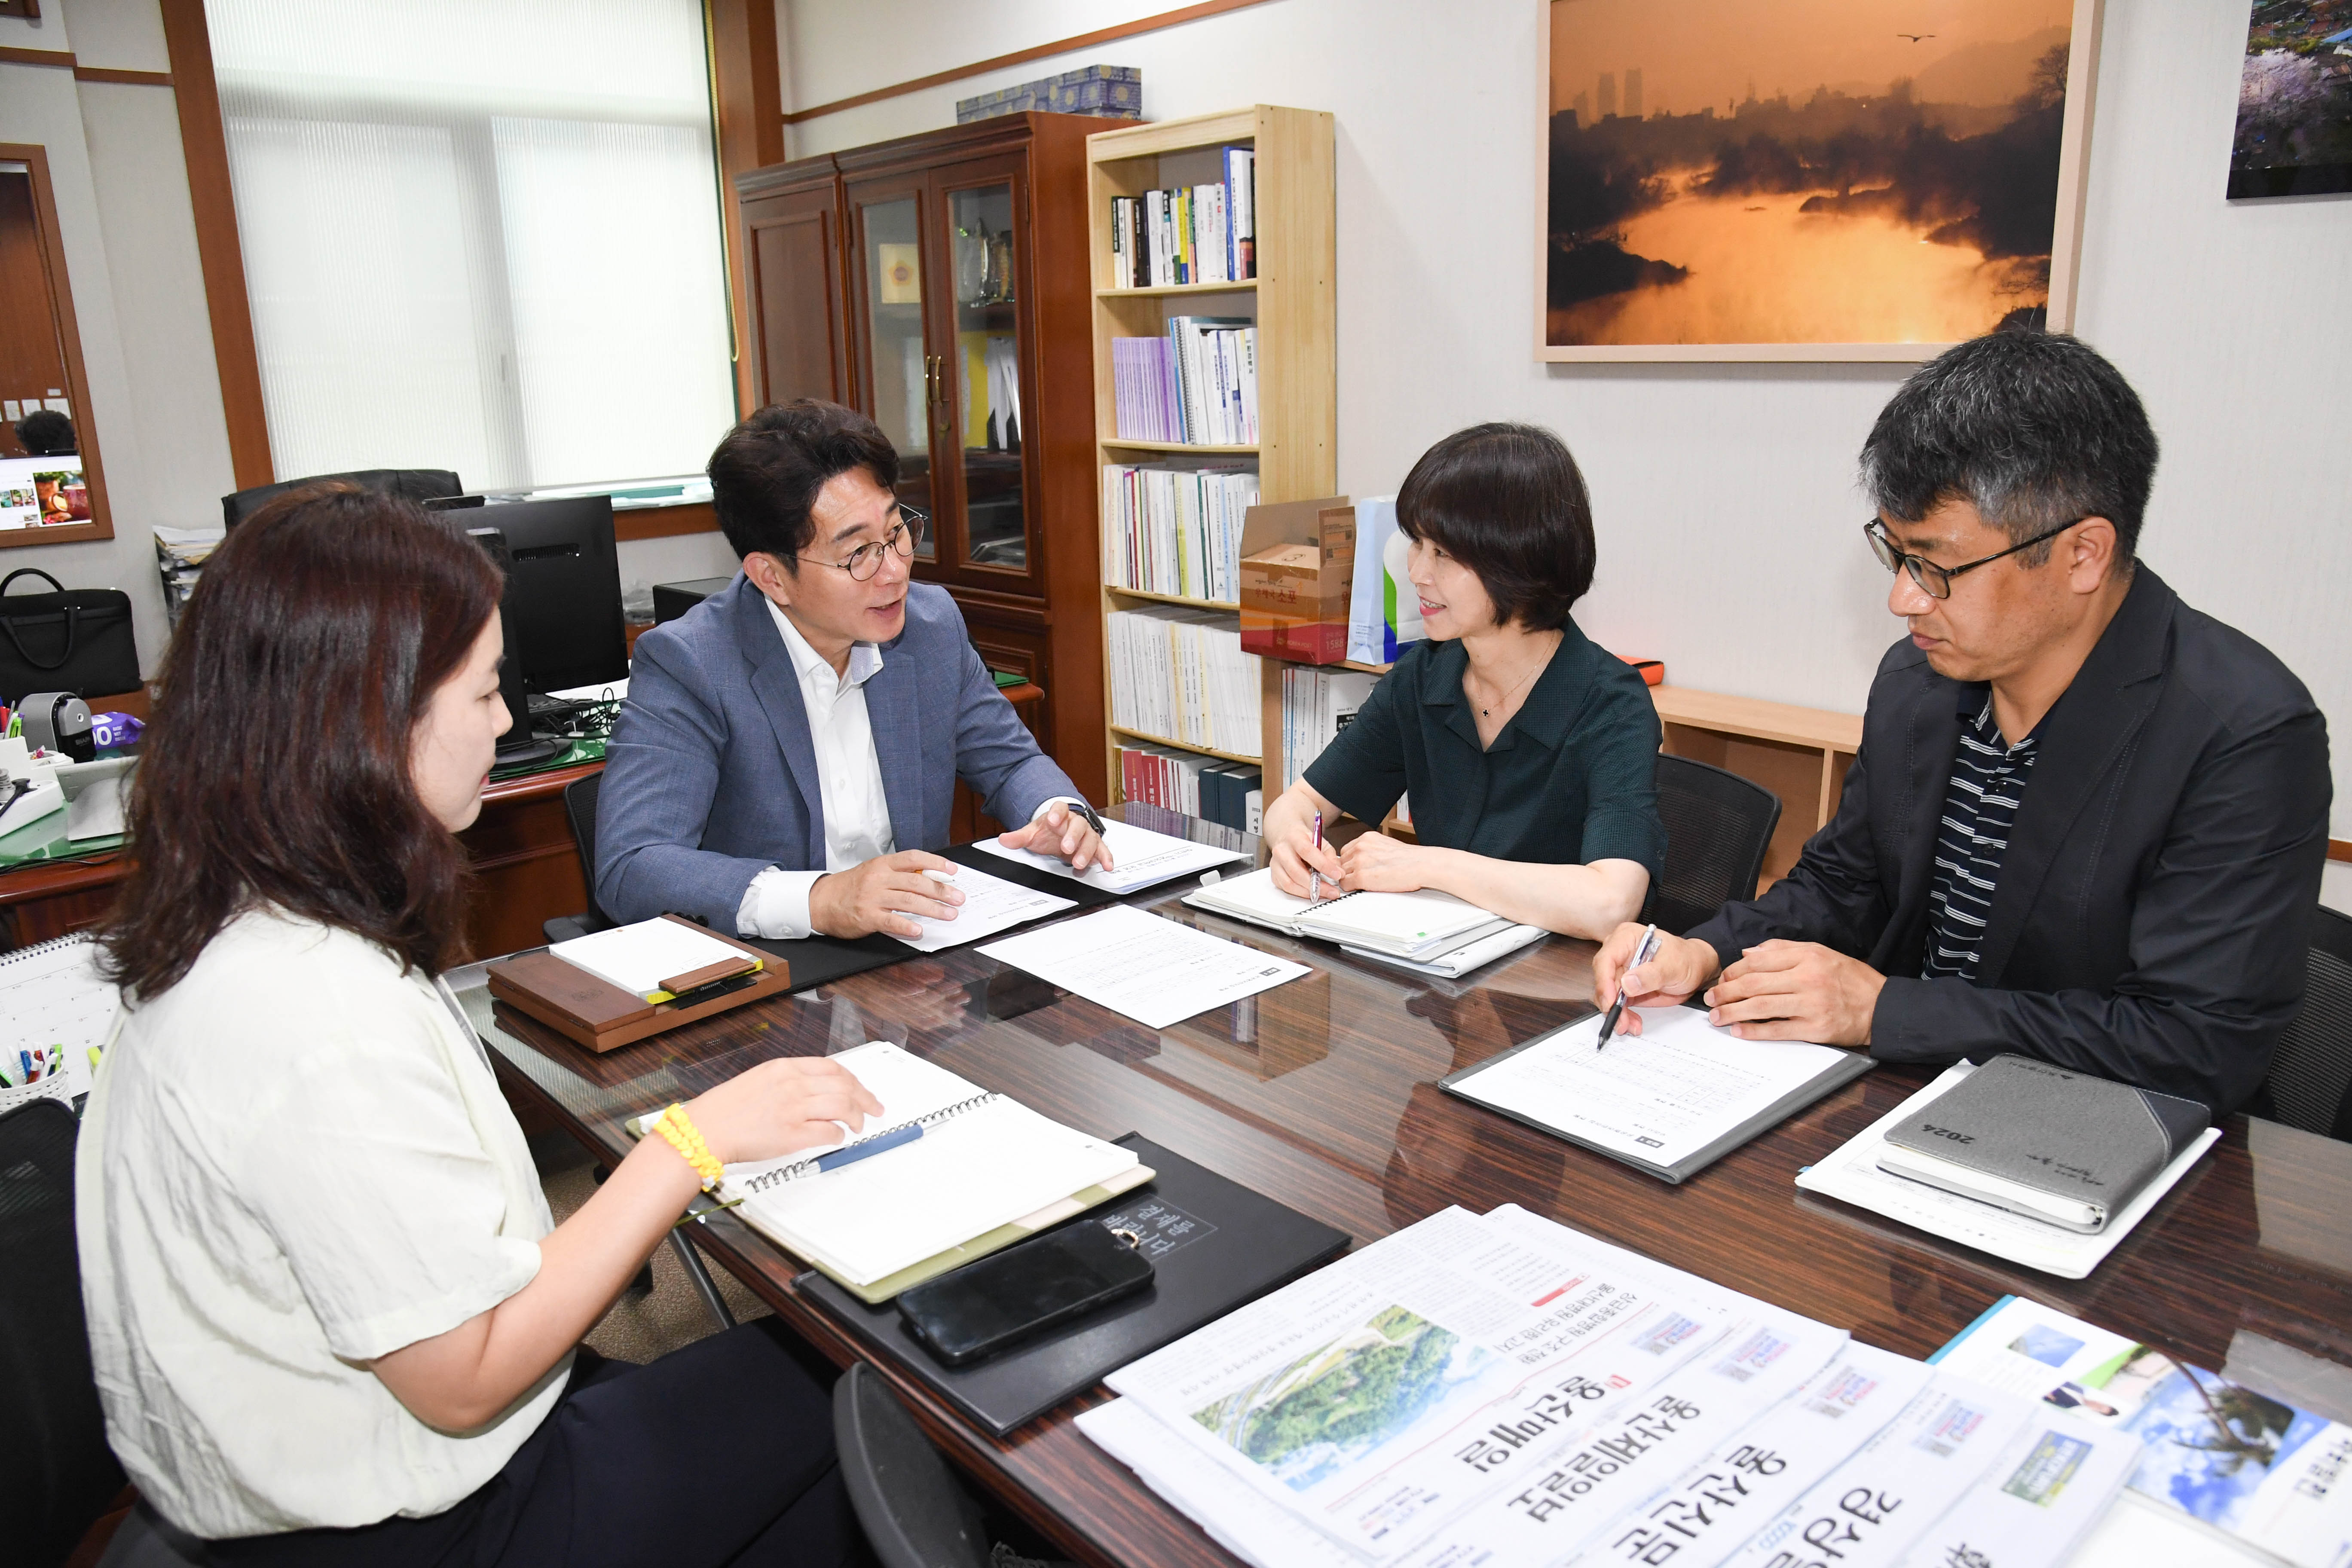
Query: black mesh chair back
x=913 y=1512
x=419 y=485
x=1718 y=825
x=2310 y=1085
x=579 y=807
x=61 y=1474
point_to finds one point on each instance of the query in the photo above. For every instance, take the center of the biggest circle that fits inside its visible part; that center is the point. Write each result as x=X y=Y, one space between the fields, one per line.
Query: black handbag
x=74 y=639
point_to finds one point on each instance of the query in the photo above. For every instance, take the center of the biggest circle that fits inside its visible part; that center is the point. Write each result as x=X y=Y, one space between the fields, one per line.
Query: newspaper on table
x=2238 y=1461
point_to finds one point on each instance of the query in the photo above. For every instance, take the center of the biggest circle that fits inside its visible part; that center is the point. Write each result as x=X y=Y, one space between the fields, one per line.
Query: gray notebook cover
x=2066 y=1134
x=1838 y=1074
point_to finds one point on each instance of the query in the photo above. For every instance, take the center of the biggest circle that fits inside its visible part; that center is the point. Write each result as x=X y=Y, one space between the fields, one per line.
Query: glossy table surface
x=1329 y=1104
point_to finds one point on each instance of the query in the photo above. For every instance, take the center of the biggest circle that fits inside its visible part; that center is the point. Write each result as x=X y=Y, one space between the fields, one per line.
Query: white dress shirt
x=849 y=775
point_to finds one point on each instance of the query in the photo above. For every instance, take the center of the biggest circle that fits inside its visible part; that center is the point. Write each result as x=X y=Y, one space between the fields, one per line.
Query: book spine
x=1120 y=270
x=1245 y=197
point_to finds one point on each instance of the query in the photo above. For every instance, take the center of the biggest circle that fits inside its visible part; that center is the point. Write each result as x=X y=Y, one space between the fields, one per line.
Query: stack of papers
x=981 y=1164
x=991 y=905
x=1670 y=1101
x=1852 y=1173
x=1506 y=1393
x=638 y=958
x=1142 y=858
x=2241 y=1464
x=1419 y=929
x=1148 y=969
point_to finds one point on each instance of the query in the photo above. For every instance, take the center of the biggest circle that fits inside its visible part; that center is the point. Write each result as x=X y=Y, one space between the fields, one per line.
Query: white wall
x=130 y=237
x=1725 y=495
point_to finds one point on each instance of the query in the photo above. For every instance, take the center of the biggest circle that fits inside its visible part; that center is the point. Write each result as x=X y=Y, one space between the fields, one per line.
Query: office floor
x=642 y=1325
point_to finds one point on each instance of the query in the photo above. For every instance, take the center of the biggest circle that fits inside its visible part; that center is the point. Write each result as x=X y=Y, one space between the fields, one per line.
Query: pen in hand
x=1641 y=952
x=1315 y=872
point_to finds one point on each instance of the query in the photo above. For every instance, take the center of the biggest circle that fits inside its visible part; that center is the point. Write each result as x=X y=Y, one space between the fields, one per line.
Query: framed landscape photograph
x=1809 y=179
x=2294 y=101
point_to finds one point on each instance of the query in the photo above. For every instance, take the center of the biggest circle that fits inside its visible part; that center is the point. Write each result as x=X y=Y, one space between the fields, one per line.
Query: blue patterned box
x=1114 y=93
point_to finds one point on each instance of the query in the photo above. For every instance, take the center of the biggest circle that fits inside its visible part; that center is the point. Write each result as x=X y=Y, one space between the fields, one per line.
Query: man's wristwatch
x=1088 y=812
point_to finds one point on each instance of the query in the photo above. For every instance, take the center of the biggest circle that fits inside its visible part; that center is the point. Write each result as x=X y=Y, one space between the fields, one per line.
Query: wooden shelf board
x=1757 y=720
x=1169 y=598
x=1151 y=740
x=1246 y=286
x=1113 y=443
x=1231 y=128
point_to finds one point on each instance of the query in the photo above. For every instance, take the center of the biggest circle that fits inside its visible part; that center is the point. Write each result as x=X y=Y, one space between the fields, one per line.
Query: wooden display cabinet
x=939 y=284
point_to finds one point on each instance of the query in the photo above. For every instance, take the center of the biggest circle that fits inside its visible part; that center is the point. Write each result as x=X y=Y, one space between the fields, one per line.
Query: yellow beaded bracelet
x=687 y=1140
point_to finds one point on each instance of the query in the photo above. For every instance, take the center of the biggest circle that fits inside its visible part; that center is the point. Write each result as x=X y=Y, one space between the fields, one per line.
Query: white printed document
x=1140 y=858
x=991 y=904
x=1670 y=1101
x=637 y=958
x=1148 y=969
x=1852 y=1172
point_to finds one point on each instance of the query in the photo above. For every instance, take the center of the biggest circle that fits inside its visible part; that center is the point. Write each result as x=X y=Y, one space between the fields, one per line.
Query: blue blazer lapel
x=777 y=685
x=894 y=712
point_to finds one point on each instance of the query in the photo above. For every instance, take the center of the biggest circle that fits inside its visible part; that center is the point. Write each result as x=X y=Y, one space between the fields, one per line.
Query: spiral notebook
x=982 y=1162
x=1415 y=927
x=53 y=1004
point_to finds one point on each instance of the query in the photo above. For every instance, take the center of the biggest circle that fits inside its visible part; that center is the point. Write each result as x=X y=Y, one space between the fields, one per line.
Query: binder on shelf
x=590 y=1009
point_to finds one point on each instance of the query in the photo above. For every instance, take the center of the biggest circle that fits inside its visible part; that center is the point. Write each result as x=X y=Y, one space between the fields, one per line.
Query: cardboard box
x=1298 y=560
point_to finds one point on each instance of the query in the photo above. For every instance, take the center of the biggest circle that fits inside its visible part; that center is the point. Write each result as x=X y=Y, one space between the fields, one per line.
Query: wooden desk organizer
x=600 y=1015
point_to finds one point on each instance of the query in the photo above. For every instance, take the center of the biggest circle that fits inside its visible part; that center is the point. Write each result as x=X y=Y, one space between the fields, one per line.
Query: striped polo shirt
x=1988 y=778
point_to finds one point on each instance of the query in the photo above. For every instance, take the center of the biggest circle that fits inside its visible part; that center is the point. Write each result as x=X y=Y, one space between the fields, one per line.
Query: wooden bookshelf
x=1293 y=300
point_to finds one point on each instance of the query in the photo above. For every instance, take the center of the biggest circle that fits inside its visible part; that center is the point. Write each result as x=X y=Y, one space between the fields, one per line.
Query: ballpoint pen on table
x=1641 y=953
x=1315 y=879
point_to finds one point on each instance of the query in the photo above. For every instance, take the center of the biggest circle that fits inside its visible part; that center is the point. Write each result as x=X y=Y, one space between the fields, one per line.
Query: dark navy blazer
x=711 y=776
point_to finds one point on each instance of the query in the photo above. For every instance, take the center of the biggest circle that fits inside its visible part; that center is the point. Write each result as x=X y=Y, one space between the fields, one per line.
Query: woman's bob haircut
x=1509 y=503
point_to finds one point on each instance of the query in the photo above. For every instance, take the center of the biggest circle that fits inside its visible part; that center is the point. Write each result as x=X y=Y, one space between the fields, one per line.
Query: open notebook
x=1414 y=928
x=984 y=1164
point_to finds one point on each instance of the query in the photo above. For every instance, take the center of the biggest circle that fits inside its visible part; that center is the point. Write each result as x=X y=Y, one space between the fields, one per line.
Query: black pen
x=1641 y=953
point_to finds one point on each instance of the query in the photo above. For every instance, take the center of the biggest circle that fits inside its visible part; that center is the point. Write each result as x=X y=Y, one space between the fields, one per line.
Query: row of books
x=1189 y=234
x=1228 y=793
x=1173 y=530
x=1181 y=675
x=1197 y=384
x=1316 y=704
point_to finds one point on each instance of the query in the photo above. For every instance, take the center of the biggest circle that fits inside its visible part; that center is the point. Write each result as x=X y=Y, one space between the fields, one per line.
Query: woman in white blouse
x=331 y=1317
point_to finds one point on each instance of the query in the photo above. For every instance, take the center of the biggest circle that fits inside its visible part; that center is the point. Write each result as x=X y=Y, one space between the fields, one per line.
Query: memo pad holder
x=600 y=1015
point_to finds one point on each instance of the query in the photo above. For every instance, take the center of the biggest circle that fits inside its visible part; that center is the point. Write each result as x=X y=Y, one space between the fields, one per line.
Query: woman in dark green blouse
x=1529 y=752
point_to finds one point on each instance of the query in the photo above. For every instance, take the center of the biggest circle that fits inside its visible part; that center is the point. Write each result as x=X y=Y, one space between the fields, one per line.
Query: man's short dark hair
x=766 y=473
x=45 y=433
x=1509 y=503
x=2033 y=429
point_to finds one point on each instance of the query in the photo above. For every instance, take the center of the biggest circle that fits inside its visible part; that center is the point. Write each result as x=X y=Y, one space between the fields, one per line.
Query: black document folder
x=822 y=960
x=1214 y=1244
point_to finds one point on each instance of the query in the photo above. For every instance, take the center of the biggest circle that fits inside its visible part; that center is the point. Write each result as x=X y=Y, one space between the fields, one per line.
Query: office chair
x=419 y=485
x=914 y=1512
x=2310 y=1082
x=580 y=807
x=62 y=1475
x=1718 y=825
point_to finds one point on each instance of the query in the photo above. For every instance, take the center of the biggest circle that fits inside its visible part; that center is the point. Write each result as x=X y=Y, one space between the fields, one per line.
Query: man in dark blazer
x=2087 y=822
x=787 y=757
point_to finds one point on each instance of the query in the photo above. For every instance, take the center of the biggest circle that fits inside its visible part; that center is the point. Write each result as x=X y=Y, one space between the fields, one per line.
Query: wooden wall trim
x=665 y=521
x=747 y=108
x=61 y=58
x=1142 y=25
x=128 y=78
x=219 y=249
x=2339 y=849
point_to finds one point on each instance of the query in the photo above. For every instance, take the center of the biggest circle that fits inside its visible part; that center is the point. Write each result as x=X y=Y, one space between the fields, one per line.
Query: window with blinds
x=480 y=235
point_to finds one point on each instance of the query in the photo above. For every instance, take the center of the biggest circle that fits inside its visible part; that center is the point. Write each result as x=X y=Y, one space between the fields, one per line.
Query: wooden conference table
x=1325 y=1100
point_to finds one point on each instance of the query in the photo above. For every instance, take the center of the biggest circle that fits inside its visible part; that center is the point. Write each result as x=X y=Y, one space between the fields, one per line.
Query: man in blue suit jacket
x=788 y=755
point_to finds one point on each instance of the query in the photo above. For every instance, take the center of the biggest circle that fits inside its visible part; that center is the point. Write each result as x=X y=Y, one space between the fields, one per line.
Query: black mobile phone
x=1008 y=1296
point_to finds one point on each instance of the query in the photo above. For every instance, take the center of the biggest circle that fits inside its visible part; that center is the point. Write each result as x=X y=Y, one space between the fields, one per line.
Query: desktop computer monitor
x=563 y=589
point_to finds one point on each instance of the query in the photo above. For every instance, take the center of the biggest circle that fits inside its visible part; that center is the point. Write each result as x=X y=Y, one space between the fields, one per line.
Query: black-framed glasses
x=905 y=537
x=1935 y=581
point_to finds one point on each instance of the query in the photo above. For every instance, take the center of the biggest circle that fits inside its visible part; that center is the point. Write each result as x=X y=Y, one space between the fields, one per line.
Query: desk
x=525 y=867
x=1331 y=1107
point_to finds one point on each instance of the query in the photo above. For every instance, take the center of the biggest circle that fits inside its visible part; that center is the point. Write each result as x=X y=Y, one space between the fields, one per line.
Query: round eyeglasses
x=1935 y=581
x=905 y=537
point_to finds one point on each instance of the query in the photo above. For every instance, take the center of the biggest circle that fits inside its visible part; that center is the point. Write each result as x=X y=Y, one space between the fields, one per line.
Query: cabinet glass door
x=986 y=376
x=902 y=376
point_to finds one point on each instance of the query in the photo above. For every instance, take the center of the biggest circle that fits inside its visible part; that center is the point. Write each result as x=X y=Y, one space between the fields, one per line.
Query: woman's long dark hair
x=275 y=771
